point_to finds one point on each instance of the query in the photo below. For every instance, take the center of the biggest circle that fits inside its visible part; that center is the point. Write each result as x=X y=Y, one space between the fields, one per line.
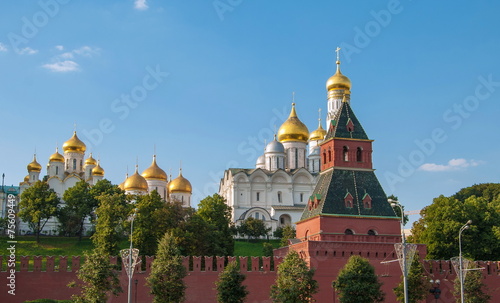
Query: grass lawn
x=64 y=246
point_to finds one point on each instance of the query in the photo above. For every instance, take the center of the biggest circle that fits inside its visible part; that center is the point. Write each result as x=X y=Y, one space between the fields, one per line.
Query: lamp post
x=435 y=290
x=131 y=263
x=461 y=273
x=403 y=243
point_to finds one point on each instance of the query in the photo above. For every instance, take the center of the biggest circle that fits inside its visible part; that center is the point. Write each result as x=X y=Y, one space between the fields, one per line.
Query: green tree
x=357 y=282
x=253 y=228
x=397 y=210
x=79 y=204
x=167 y=273
x=195 y=237
x=267 y=249
x=98 y=279
x=148 y=227
x=111 y=215
x=284 y=233
x=418 y=285
x=230 y=288
x=294 y=281
x=475 y=291
x=38 y=204
x=217 y=213
x=441 y=221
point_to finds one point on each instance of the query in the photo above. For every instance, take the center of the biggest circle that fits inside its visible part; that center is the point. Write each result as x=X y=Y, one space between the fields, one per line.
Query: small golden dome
x=97 y=171
x=136 y=182
x=122 y=185
x=90 y=160
x=34 y=166
x=154 y=172
x=180 y=185
x=56 y=157
x=74 y=145
x=27 y=178
x=318 y=134
x=338 y=81
x=293 y=129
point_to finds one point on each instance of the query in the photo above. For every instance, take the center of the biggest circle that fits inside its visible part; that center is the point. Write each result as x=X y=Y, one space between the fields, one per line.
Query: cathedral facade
x=65 y=170
x=279 y=187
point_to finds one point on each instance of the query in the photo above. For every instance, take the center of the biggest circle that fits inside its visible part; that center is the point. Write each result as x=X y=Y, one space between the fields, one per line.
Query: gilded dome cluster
x=293 y=129
x=34 y=166
x=135 y=182
x=154 y=172
x=56 y=157
x=318 y=134
x=90 y=160
x=180 y=185
x=98 y=170
x=75 y=145
x=338 y=81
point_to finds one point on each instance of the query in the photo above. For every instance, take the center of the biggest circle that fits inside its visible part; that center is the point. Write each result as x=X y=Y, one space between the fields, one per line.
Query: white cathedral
x=278 y=188
x=64 y=171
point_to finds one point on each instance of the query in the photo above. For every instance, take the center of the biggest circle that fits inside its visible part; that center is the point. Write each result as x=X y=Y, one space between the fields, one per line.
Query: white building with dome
x=64 y=171
x=278 y=188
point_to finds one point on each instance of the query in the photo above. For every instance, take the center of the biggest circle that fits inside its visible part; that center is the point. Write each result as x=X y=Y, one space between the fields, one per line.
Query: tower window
x=329 y=155
x=258 y=196
x=301 y=197
x=345 y=153
x=57 y=170
x=74 y=164
x=257 y=215
x=279 y=197
x=349 y=232
x=359 y=154
x=371 y=232
x=324 y=157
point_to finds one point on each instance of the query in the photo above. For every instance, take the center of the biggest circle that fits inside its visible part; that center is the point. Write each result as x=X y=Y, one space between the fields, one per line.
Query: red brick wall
x=46 y=282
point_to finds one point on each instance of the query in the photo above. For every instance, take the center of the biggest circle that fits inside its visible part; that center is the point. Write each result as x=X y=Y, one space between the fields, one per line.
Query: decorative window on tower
x=330 y=155
x=359 y=154
x=301 y=197
x=74 y=164
x=350 y=125
x=345 y=153
x=367 y=201
x=349 y=200
x=258 y=196
x=324 y=157
x=57 y=170
x=279 y=197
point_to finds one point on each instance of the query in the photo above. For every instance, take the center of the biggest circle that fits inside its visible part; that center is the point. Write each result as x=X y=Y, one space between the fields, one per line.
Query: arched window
x=329 y=155
x=359 y=154
x=345 y=153
x=324 y=157
x=349 y=232
x=371 y=232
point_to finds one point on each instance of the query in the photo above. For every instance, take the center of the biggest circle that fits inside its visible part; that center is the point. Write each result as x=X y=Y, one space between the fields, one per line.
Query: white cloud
x=27 y=51
x=141 y=5
x=453 y=164
x=62 y=66
x=65 y=62
x=3 y=48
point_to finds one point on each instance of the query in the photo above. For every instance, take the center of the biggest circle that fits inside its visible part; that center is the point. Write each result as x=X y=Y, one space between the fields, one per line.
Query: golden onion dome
x=27 y=178
x=136 y=182
x=34 y=166
x=154 y=172
x=98 y=170
x=180 y=185
x=90 y=160
x=122 y=185
x=338 y=81
x=74 y=145
x=56 y=157
x=293 y=129
x=318 y=134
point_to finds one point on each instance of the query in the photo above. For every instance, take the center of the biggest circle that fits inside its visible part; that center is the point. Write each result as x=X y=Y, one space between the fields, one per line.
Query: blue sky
x=208 y=82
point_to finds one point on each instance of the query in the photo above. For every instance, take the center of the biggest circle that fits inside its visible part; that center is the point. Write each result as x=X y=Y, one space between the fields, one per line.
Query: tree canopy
x=358 y=283
x=417 y=283
x=167 y=273
x=441 y=221
x=253 y=228
x=475 y=291
x=230 y=288
x=294 y=282
x=38 y=204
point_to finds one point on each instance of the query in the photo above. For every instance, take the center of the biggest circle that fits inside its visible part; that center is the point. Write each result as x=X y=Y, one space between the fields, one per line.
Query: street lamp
x=461 y=273
x=403 y=243
x=435 y=290
x=129 y=256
